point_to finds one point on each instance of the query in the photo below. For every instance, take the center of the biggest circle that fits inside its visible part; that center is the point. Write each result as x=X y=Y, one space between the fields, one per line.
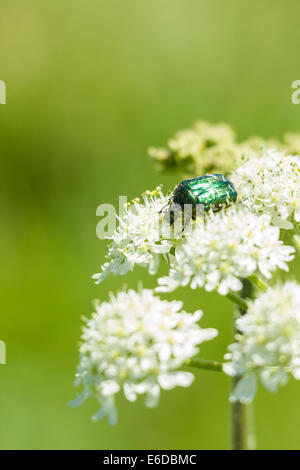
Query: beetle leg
x=163 y=208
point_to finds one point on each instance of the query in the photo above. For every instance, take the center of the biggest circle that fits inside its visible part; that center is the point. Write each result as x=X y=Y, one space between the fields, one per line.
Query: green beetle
x=207 y=192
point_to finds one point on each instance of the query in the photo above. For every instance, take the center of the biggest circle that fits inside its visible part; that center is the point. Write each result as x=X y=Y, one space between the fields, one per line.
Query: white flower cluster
x=138 y=239
x=267 y=343
x=230 y=245
x=271 y=184
x=135 y=343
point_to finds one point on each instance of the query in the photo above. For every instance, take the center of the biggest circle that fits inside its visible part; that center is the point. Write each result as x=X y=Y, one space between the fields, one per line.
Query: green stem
x=296 y=243
x=296 y=227
x=243 y=437
x=258 y=282
x=239 y=301
x=205 y=364
x=251 y=438
x=238 y=422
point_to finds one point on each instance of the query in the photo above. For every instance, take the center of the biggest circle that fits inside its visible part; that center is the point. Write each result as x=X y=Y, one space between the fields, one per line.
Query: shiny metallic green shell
x=211 y=191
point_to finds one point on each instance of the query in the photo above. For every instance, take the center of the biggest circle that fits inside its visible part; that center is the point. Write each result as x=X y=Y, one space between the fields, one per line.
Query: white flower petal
x=245 y=389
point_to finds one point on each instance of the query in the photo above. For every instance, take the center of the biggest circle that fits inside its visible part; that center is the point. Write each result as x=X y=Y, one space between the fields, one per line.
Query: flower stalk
x=205 y=364
x=258 y=283
x=242 y=422
x=243 y=434
x=237 y=300
x=296 y=242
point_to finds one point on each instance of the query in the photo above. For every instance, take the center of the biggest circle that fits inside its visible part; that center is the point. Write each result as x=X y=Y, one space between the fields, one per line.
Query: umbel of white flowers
x=270 y=184
x=230 y=245
x=135 y=344
x=138 y=239
x=267 y=346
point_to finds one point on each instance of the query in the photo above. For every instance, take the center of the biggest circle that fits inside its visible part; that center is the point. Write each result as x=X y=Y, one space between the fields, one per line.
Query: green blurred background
x=90 y=85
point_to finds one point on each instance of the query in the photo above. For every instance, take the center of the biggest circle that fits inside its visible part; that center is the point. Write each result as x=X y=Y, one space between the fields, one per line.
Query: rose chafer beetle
x=211 y=191
x=207 y=192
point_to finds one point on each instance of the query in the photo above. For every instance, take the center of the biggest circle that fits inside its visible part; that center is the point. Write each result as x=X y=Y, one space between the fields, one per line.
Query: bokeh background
x=90 y=85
